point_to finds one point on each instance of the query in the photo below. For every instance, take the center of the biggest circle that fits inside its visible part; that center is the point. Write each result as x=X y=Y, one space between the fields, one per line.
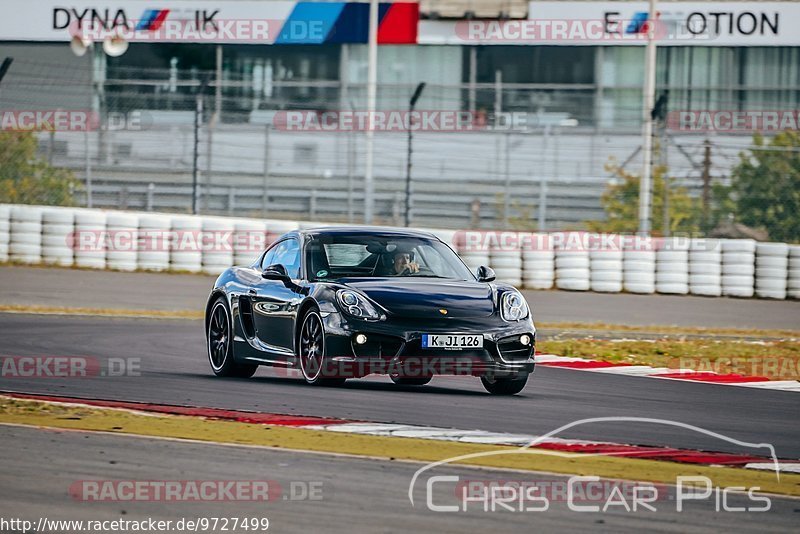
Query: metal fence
x=548 y=175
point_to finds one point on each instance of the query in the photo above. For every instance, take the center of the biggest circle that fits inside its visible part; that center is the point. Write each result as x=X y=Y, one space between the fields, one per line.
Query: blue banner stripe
x=148 y=17
x=352 y=26
x=310 y=23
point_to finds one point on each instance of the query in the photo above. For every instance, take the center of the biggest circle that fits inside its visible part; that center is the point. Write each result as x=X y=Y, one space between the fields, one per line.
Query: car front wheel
x=311 y=352
x=506 y=385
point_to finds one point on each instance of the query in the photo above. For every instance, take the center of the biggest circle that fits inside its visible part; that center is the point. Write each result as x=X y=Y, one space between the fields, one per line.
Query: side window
x=269 y=257
x=287 y=254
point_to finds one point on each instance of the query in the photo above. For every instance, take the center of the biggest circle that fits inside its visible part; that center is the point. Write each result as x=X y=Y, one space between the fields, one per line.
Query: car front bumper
x=394 y=347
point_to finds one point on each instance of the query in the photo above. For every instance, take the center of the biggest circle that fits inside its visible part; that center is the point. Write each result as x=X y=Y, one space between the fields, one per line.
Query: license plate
x=452 y=341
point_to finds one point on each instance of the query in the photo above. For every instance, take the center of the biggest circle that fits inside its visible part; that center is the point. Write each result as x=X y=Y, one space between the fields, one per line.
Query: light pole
x=647 y=129
x=198 y=117
x=113 y=46
x=411 y=104
x=372 y=81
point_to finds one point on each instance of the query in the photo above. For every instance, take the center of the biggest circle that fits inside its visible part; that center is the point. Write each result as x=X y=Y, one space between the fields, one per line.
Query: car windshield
x=336 y=256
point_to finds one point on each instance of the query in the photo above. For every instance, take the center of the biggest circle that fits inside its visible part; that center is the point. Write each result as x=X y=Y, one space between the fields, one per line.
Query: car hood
x=421 y=298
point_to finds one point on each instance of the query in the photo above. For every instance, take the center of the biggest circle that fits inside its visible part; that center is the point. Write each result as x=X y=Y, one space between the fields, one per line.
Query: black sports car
x=341 y=302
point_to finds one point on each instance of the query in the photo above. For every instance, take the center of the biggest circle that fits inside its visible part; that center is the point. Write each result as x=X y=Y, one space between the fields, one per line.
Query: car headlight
x=356 y=305
x=513 y=306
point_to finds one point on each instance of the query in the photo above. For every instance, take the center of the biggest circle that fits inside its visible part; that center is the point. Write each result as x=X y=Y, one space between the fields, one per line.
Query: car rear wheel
x=219 y=336
x=311 y=352
x=410 y=381
x=506 y=385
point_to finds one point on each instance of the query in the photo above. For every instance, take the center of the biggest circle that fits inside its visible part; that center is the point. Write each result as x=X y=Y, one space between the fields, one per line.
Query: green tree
x=765 y=186
x=621 y=203
x=27 y=179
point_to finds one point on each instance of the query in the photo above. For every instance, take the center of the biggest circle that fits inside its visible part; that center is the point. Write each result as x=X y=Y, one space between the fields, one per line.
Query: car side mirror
x=486 y=274
x=276 y=272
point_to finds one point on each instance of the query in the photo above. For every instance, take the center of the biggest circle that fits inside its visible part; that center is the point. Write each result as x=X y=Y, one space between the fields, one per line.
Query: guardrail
x=474 y=203
x=577 y=261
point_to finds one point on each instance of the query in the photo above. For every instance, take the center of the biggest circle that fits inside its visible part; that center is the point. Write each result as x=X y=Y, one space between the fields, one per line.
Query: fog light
x=361 y=339
x=525 y=339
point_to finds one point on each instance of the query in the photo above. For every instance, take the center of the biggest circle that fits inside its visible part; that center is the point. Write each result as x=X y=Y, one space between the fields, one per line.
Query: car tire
x=311 y=336
x=410 y=381
x=510 y=385
x=219 y=343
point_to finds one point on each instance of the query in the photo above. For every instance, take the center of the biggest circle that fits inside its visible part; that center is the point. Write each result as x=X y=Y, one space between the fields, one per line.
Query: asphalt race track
x=351 y=495
x=174 y=370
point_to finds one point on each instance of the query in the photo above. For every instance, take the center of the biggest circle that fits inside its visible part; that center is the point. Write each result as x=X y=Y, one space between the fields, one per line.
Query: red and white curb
x=665 y=373
x=576 y=446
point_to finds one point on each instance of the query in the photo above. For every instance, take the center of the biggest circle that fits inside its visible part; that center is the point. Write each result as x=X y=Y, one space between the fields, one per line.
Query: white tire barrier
x=639 y=270
x=25 y=240
x=475 y=259
x=507 y=265
x=772 y=270
x=185 y=247
x=509 y=276
x=5 y=231
x=538 y=265
x=90 y=228
x=572 y=260
x=639 y=276
x=503 y=260
x=249 y=241
x=574 y=284
x=605 y=264
x=738 y=267
x=772 y=262
x=154 y=242
x=538 y=262
x=217 y=244
x=705 y=267
x=705 y=280
x=793 y=285
x=96 y=239
x=607 y=276
x=738 y=245
x=639 y=266
x=672 y=266
x=58 y=236
x=672 y=279
x=122 y=243
x=572 y=263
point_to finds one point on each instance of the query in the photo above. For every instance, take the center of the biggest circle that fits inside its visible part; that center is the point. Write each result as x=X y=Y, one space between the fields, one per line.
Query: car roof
x=366 y=230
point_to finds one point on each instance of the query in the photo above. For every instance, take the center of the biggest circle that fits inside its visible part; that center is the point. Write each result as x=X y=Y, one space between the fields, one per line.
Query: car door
x=274 y=304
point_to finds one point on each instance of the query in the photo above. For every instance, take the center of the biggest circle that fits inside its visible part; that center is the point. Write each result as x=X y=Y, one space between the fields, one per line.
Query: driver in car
x=404 y=264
